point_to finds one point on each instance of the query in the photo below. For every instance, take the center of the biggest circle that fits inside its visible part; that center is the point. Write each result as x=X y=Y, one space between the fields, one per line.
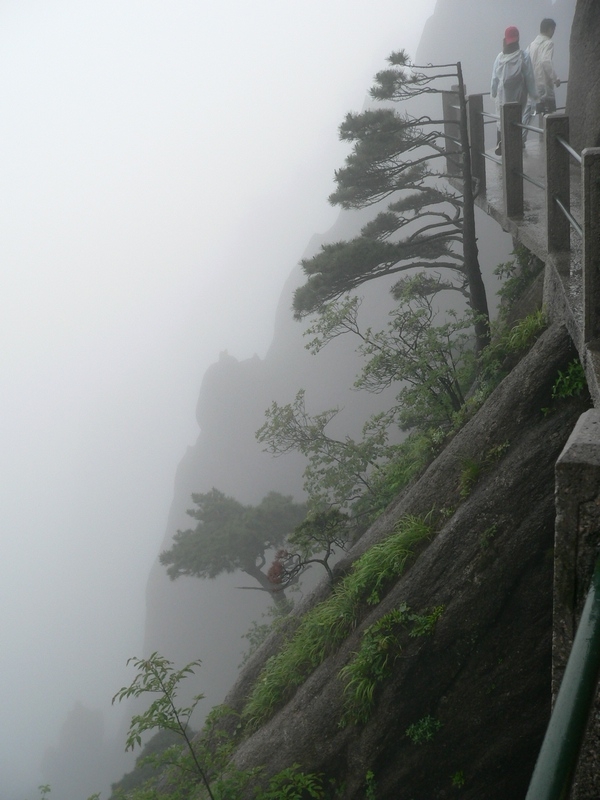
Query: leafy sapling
x=571 y=382
x=157 y=676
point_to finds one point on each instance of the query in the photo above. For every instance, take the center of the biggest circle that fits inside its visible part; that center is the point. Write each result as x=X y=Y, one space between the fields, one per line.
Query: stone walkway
x=563 y=286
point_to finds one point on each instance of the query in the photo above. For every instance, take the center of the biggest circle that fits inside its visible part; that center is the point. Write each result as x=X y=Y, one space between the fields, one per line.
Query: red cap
x=511 y=34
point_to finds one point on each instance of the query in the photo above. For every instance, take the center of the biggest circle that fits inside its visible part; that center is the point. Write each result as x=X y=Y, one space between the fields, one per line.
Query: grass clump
x=324 y=628
x=374 y=661
x=472 y=469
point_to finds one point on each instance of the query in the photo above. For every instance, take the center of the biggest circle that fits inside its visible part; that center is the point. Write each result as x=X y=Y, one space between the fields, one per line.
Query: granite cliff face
x=583 y=103
x=483 y=674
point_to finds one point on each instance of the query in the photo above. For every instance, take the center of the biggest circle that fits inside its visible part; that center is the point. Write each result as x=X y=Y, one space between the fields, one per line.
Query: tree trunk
x=477 y=295
x=277 y=592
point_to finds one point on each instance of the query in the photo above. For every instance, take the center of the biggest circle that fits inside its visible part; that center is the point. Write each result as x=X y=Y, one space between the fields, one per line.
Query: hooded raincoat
x=540 y=52
x=512 y=78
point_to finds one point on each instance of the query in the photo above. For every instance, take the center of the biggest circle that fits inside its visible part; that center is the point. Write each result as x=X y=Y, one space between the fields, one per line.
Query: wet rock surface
x=484 y=675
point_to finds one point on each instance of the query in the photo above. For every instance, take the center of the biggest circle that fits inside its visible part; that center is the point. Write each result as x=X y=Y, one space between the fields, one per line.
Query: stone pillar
x=577 y=542
x=512 y=159
x=590 y=182
x=558 y=183
x=477 y=140
x=451 y=115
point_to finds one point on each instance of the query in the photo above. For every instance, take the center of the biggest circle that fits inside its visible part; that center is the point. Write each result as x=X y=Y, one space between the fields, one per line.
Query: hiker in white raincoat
x=512 y=76
x=541 y=51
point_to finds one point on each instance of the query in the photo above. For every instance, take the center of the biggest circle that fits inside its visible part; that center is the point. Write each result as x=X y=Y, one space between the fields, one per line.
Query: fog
x=163 y=165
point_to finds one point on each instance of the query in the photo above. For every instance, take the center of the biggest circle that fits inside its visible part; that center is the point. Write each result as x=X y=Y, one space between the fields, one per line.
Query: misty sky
x=163 y=165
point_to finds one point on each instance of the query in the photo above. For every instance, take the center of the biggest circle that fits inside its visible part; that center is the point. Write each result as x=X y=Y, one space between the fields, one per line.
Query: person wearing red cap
x=512 y=76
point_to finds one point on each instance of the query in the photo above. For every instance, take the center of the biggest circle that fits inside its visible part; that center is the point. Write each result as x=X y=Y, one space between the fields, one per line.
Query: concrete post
x=576 y=544
x=512 y=159
x=477 y=140
x=590 y=181
x=451 y=116
x=557 y=182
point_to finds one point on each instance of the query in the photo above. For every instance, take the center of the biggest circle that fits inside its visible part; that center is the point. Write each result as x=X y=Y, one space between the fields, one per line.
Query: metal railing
x=557 y=761
x=560 y=221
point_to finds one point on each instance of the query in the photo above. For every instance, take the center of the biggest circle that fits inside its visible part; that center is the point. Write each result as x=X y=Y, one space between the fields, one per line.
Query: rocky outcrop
x=583 y=100
x=485 y=673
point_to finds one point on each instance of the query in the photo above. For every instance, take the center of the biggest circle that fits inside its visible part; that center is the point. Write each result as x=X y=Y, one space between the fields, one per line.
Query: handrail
x=557 y=761
x=533 y=128
x=557 y=194
x=490 y=157
x=572 y=221
x=529 y=179
x=573 y=153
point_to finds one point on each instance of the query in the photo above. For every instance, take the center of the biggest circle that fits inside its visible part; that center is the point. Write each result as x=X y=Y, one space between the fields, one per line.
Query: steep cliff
x=482 y=677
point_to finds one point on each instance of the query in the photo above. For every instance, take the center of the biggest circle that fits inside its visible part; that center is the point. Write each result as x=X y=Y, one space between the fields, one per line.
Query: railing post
x=590 y=181
x=451 y=130
x=558 y=183
x=477 y=140
x=512 y=159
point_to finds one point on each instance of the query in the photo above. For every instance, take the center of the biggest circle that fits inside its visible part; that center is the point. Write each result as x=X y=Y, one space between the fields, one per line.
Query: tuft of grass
x=487 y=536
x=508 y=343
x=469 y=475
x=472 y=469
x=525 y=332
x=373 y=663
x=379 y=648
x=324 y=628
x=409 y=460
x=370 y=786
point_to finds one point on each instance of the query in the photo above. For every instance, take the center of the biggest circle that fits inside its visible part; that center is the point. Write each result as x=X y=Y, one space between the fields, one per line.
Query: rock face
x=485 y=672
x=583 y=102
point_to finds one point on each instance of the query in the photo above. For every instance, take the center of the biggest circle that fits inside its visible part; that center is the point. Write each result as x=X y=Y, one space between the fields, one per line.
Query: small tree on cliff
x=427 y=225
x=230 y=536
x=338 y=470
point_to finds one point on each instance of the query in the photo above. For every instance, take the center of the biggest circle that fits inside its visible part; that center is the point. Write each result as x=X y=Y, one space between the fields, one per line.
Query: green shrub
x=293 y=784
x=570 y=383
x=458 y=779
x=423 y=730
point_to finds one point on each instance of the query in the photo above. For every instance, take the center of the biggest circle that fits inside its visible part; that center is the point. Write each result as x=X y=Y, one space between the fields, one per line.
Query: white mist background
x=163 y=165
